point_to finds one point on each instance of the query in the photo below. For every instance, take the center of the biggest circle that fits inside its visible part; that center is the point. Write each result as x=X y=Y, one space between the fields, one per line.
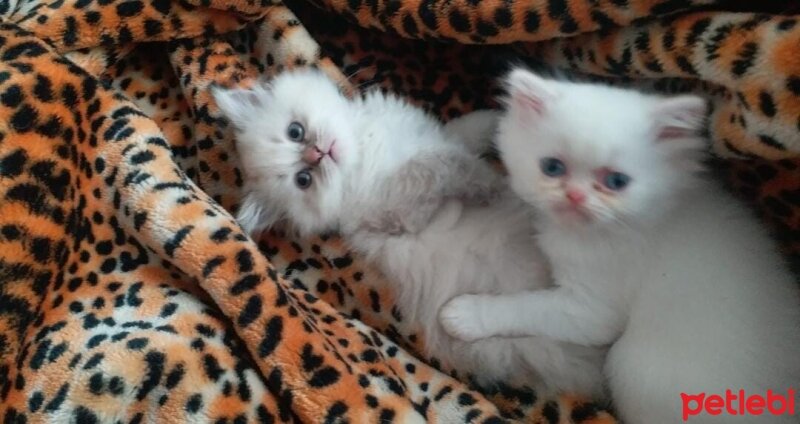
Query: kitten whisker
x=356 y=72
x=366 y=83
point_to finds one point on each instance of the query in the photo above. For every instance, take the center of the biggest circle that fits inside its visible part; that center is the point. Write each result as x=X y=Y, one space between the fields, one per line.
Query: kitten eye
x=303 y=179
x=296 y=132
x=552 y=167
x=616 y=181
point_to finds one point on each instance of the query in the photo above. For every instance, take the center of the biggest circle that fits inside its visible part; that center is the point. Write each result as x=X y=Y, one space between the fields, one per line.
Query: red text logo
x=739 y=403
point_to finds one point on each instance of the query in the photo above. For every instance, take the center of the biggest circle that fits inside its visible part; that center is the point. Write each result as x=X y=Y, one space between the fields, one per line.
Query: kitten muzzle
x=312 y=155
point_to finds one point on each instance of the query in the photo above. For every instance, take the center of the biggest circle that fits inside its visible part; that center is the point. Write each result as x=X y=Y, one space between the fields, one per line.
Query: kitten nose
x=575 y=196
x=312 y=155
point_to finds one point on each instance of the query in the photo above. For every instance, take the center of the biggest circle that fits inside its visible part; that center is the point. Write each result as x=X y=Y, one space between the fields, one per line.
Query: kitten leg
x=473 y=180
x=415 y=192
x=475 y=130
x=558 y=314
x=397 y=222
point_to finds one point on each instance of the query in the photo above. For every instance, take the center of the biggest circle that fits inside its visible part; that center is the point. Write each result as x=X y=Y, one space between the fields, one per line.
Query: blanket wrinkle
x=129 y=294
x=490 y=22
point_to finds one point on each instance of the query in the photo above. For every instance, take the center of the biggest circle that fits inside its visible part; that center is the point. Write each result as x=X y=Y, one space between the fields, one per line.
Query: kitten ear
x=680 y=118
x=528 y=91
x=237 y=104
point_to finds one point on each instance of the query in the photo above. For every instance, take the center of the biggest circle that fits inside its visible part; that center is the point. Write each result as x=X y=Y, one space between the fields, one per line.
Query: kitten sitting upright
x=322 y=163
x=646 y=255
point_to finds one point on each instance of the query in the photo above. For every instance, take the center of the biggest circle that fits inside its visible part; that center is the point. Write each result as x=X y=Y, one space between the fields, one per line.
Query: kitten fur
x=671 y=270
x=404 y=185
x=462 y=246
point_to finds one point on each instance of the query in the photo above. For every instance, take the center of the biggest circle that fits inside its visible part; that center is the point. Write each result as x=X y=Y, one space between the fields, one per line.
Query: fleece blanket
x=128 y=294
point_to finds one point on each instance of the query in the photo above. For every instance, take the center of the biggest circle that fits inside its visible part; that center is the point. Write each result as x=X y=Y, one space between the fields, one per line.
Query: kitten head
x=592 y=155
x=295 y=141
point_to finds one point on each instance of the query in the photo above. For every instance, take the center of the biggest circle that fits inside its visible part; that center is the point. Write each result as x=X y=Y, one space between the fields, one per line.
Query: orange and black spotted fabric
x=128 y=294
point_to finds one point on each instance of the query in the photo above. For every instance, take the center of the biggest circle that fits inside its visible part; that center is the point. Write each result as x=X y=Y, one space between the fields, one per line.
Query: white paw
x=460 y=318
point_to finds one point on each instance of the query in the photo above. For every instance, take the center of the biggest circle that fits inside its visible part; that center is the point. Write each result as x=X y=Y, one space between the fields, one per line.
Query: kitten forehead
x=310 y=95
x=617 y=117
x=305 y=84
x=593 y=124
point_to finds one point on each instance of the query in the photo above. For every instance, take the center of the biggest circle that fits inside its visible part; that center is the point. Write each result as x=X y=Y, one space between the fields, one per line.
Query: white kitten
x=303 y=139
x=646 y=255
x=394 y=159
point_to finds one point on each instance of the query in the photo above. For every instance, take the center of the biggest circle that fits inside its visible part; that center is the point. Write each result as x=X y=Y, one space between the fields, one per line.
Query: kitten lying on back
x=646 y=255
x=305 y=150
x=390 y=157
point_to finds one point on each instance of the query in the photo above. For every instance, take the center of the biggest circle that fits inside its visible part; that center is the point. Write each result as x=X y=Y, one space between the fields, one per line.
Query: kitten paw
x=484 y=191
x=404 y=220
x=482 y=196
x=460 y=319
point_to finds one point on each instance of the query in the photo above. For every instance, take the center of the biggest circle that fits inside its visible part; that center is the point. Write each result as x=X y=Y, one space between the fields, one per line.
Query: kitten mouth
x=333 y=153
x=571 y=212
x=313 y=155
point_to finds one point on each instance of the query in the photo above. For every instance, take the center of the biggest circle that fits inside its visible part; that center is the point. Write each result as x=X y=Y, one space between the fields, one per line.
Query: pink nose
x=312 y=155
x=576 y=197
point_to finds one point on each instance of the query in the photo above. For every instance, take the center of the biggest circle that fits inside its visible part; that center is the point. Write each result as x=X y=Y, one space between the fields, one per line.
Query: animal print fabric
x=128 y=294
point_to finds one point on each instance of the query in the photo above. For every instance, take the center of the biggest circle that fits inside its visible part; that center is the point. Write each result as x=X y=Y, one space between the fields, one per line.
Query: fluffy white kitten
x=300 y=142
x=646 y=255
x=391 y=158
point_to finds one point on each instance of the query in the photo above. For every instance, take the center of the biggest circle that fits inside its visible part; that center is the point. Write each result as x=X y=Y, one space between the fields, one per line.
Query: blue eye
x=303 y=179
x=616 y=181
x=296 y=132
x=552 y=167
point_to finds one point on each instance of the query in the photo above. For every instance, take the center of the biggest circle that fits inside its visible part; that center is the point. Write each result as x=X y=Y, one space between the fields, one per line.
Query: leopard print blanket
x=128 y=294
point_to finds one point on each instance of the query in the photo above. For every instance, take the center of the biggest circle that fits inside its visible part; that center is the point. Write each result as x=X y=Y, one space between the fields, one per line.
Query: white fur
x=261 y=116
x=673 y=271
x=400 y=159
x=476 y=130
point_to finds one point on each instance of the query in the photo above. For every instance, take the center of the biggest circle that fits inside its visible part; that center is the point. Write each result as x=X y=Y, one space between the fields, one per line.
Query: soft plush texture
x=128 y=293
